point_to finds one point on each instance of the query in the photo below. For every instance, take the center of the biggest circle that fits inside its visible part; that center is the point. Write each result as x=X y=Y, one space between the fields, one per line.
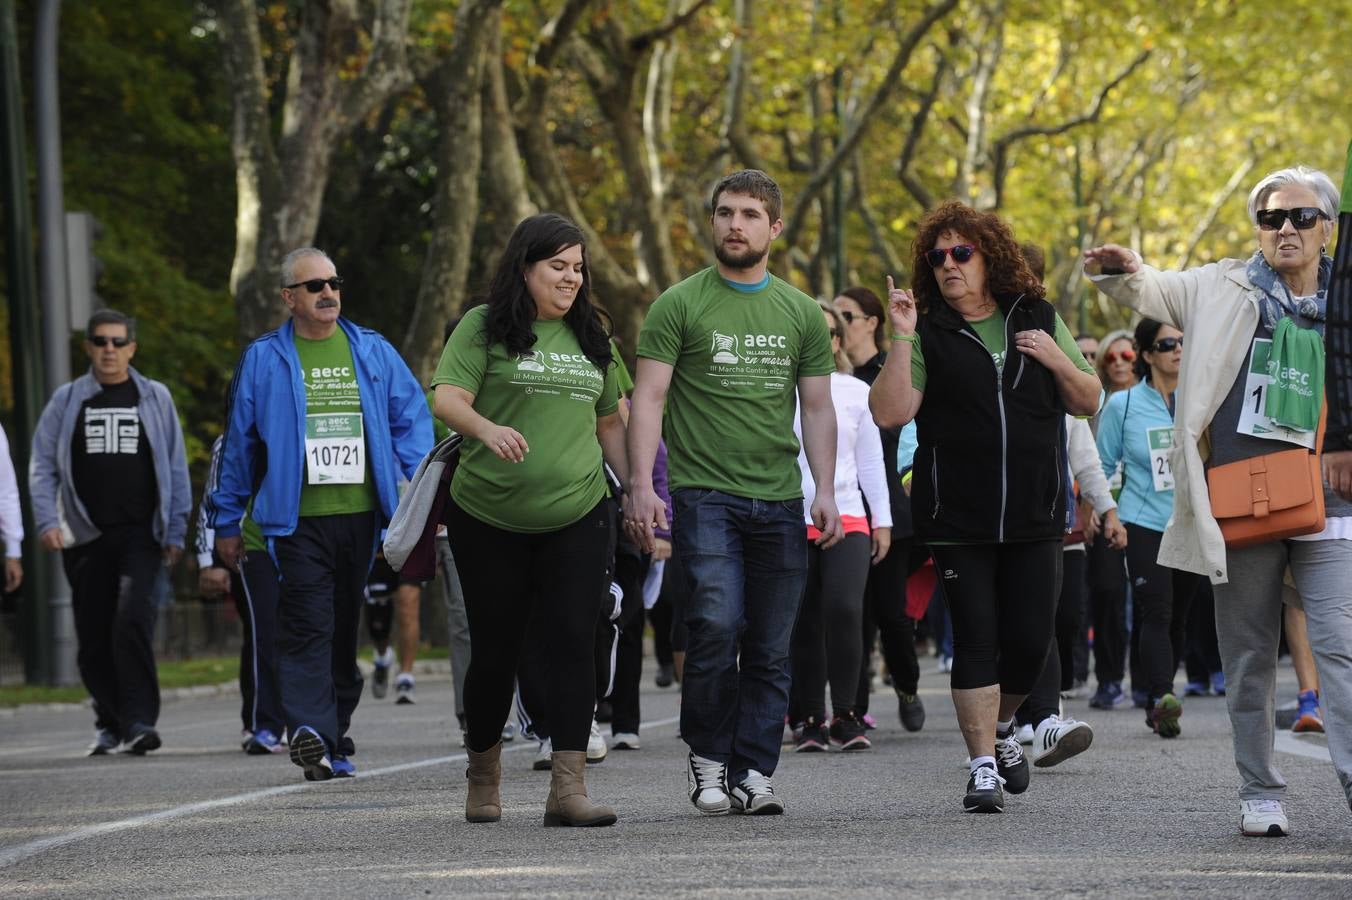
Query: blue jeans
x=746 y=562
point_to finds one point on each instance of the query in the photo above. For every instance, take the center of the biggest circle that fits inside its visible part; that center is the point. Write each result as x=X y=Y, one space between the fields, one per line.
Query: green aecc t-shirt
x=337 y=473
x=552 y=395
x=737 y=357
x=991 y=330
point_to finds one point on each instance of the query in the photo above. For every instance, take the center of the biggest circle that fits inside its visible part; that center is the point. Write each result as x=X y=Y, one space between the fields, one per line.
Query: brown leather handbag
x=1270 y=497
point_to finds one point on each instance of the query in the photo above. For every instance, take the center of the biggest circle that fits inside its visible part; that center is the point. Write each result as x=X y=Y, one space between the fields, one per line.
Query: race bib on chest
x=1253 y=422
x=335 y=449
x=1160 y=440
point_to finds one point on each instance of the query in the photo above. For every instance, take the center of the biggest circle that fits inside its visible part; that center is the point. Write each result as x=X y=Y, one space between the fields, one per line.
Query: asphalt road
x=1134 y=816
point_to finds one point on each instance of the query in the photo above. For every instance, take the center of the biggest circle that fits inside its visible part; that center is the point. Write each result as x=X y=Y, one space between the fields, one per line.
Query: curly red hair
x=1007 y=272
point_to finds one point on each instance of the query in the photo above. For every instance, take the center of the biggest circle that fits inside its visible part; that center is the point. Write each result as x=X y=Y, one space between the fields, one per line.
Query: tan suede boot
x=482 y=802
x=568 y=803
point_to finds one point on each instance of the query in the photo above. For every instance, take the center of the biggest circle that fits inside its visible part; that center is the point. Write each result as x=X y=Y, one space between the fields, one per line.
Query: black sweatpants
x=885 y=614
x=255 y=590
x=111 y=580
x=1202 y=656
x=1058 y=673
x=1108 y=609
x=552 y=583
x=322 y=568
x=826 y=641
x=1002 y=601
x=631 y=569
x=1161 y=598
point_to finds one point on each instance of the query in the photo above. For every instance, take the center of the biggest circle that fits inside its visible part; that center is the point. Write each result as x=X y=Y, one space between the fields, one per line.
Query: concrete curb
x=429 y=667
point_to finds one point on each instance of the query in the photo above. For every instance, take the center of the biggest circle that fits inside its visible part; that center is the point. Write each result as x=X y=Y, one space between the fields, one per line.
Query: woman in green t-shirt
x=527 y=379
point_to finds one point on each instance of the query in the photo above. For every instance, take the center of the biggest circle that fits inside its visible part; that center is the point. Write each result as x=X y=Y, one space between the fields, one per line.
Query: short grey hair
x=1312 y=180
x=108 y=316
x=289 y=262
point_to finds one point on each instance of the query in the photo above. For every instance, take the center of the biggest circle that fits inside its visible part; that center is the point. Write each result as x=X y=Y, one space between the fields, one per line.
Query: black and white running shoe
x=754 y=795
x=709 y=786
x=985 y=792
x=1010 y=761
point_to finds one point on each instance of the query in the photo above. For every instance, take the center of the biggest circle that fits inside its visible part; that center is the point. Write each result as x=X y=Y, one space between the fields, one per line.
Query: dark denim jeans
x=746 y=562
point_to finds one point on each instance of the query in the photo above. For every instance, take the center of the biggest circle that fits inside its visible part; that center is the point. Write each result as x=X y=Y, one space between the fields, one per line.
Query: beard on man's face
x=744 y=260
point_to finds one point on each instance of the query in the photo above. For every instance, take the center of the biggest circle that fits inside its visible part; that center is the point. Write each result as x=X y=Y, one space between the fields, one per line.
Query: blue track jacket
x=264 y=452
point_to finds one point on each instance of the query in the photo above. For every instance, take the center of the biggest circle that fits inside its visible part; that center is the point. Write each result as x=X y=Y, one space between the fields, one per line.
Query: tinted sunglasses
x=835 y=332
x=1113 y=356
x=1166 y=345
x=961 y=253
x=103 y=340
x=315 y=285
x=849 y=317
x=1303 y=217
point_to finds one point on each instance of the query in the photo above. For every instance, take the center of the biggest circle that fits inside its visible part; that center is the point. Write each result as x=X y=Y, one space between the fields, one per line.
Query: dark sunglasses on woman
x=1303 y=217
x=961 y=253
x=1166 y=345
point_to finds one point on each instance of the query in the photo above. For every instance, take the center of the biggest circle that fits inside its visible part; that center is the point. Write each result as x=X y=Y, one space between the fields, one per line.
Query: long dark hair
x=1146 y=330
x=869 y=305
x=511 y=309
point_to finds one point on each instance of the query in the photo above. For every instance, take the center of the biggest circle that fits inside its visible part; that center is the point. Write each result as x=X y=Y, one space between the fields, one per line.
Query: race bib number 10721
x=335 y=449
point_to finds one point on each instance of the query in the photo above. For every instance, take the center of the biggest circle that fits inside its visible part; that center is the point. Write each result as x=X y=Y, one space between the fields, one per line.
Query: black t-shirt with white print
x=113 y=470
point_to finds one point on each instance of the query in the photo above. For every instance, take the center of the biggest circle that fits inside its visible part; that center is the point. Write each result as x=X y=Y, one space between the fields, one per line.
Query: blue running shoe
x=1108 y=696
x=1308 y=716
x=1218 y=683
x=263 y=742
x=343 y=768
x=309 y=751
x=1195 y=689
x=1140 y=699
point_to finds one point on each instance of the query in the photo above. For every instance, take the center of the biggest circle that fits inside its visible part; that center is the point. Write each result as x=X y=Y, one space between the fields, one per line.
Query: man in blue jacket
x=324 y=418
x=109 y=481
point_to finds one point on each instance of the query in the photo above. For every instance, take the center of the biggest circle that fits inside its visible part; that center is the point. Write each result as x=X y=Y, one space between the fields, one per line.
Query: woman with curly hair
x=989 y=491
x=529 y=380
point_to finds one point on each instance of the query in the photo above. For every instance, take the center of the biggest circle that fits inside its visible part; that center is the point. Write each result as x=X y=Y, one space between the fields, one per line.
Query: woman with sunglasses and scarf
x=1116 y=368
x=1135 y=432
x=1240 y=315
x=987 y=370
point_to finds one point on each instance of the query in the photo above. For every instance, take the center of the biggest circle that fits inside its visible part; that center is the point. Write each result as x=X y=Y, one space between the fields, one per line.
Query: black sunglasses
x=315 y=285
x=1303 y=217
x=103 y=340
x=1166 y=345
x=835 y=332
x=961 y=253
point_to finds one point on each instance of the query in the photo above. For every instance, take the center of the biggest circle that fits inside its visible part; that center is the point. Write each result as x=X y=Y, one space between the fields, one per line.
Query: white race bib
x=335 y=449
x=1252 y=420
x=1160 y=440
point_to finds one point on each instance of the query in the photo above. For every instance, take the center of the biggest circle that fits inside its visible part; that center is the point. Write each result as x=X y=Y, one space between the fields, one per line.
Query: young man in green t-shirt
x=725 y=352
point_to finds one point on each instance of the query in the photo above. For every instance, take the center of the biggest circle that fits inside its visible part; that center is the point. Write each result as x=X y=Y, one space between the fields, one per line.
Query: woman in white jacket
x=1231 y=311
x=826 y=645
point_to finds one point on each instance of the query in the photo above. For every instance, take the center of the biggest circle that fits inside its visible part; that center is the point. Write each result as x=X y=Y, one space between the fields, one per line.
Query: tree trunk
x=455 y=91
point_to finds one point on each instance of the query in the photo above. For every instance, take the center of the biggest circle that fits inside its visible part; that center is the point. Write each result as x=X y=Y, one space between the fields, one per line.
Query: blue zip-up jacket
x=52 y=486
x=264 y=452
x=1122 y=439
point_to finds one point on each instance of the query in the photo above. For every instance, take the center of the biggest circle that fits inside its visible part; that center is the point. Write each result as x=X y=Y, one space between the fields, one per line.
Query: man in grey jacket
x=109 y=481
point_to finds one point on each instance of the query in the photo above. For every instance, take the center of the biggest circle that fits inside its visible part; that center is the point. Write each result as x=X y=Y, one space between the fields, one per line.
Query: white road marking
x=11 y=855
x=1287 y=742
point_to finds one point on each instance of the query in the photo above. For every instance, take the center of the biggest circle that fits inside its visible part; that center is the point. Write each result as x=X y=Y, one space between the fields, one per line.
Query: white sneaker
x=1058 y=739
x=755 y=796
x=625 y=740
x=544 y=756
x=1025 y=734
x=1263 y=818
x=708 y=785
x=596 y=745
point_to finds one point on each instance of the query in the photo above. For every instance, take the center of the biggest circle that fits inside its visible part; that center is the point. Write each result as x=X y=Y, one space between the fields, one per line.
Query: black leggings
x=1160 y=599
x=510 y=579
x=1002 y=601
x=826 y=641
x=1058 y=673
